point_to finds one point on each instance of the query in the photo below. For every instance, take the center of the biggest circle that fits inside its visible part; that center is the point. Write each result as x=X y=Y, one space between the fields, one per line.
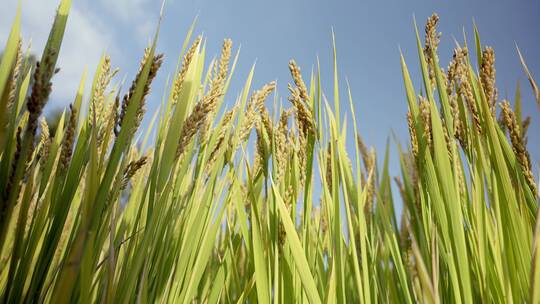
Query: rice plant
x=221 y=200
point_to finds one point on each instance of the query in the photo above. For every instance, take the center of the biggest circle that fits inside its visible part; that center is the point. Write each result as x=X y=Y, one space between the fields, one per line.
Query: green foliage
x=93 y=212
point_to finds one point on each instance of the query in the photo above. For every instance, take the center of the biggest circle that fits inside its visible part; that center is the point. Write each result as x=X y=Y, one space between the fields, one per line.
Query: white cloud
x=137 y=14
x=86 y=38
x=84 y=43
x=94 y=27
x=126 y=10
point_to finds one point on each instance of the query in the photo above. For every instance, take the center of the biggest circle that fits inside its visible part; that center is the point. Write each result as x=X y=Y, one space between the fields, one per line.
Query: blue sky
x=368 y=35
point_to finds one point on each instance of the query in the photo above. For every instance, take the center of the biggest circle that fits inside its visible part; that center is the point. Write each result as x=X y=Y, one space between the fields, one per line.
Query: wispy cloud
x=137 y=14
x=86 y=38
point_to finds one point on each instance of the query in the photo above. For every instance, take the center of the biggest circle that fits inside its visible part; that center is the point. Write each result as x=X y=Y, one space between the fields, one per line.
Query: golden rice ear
x=298 y=81
x=68 y=141
x=193 y=211
x=432 y=41
x=412 y=133
x=180 y=78
x=487 y=77
x=425 y=112
x=509 y=120
x=16 y=156
x=131 y=169
x=98 y=95
x=44 y=142
x=254 y=108
x=155 y=64
x=15 y=73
